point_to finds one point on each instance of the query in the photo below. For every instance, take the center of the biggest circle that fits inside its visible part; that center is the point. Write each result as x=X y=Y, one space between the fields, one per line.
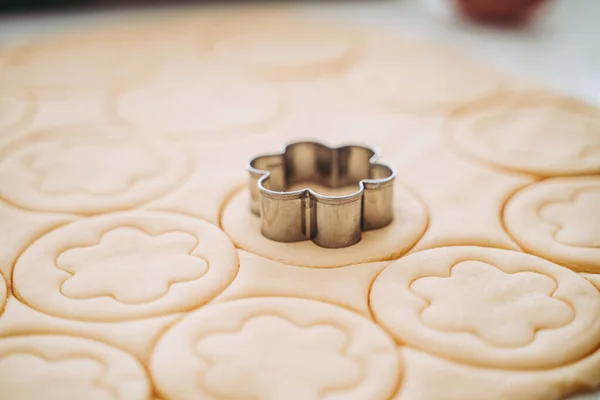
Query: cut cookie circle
x=192 y=108
x=65 y=367
x=275 y=348
x=488 y=307
x=89 y=169
x=389 y=242
x=278 y=48
x=125 y=266
x=534 y=132
x=103 y=60
x=397 y=77
x=559 y=219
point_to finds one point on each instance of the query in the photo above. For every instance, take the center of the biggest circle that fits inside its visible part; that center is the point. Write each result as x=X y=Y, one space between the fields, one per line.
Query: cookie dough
x=64 y=367
x=15 y=113
x=405 y=77
x=534 y=132
x=123 y=197
x=378 y=245
x=559 y=219
x=274 y=47
x=204 y=108
x=89 y=169
x=3 y=294
x=261 y=277
x=125 y=266
x=275 y=348
x=105 y=59
x=456 y=301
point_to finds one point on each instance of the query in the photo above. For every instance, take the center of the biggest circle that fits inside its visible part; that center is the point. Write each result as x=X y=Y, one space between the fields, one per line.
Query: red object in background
x=499 y=11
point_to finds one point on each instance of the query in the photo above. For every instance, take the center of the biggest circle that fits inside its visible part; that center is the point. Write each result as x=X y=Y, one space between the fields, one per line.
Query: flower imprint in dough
x=126 y=258
x=270 y=348
x=125 y=266
x=61 y=172
x=558 y=219
x=258 y=358
x=69 y=378
x=578 y=220
x=89 y=169
x=68 y=368
x=488 y=307
x=502 y=309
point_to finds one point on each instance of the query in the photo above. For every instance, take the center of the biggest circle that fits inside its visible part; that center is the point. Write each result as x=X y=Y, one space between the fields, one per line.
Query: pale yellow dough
x=14 y=113
x=125 y=266
x=488 y=307
x=536 y=132
x=117 y=58
x=3 y=291
x=89 y=169
x=275 y=348
x=383 y=244
x=346 y=286
x=559 y=219
x=429 y=377
x=274 y=47
x=405 y=77
x=68 y=368
x=131 y=266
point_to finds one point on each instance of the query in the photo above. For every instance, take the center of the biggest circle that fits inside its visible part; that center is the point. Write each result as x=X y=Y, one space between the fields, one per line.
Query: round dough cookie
x=396 y=76
x=377 y=245
x=79 y=65
x=68 y=368
x=275 y=348
x=89 y=169
x=559 y=219
x=274 y=47
x=488 y=307
x=125 y=266
x=208 y=108
x=535 y=132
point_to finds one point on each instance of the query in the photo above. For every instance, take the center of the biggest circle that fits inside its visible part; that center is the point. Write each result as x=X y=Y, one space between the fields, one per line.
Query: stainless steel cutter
x=329 y=221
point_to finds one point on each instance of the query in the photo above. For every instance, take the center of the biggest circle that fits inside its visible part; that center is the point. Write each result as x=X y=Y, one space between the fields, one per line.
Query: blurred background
x=553 y=42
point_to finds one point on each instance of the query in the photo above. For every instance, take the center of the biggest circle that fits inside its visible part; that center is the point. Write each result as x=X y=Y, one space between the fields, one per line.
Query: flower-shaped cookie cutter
x=329 y=221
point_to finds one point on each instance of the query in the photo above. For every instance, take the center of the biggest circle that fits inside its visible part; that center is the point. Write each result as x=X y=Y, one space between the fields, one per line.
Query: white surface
x=560 y=50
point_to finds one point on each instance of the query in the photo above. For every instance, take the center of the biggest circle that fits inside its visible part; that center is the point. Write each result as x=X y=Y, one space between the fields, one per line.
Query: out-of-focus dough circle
x=275 y=348
x=125 y=266
x=202 y=108
x=488 y=307
x=68 y=368
x=89 y=169
x=77 y=65
x=387 y=243
x=278 y=48
x=559 y=219
x=535 y=132
x=396 y=76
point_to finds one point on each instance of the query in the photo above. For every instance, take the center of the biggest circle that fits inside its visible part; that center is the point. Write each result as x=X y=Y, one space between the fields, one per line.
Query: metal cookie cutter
x=329 y=221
